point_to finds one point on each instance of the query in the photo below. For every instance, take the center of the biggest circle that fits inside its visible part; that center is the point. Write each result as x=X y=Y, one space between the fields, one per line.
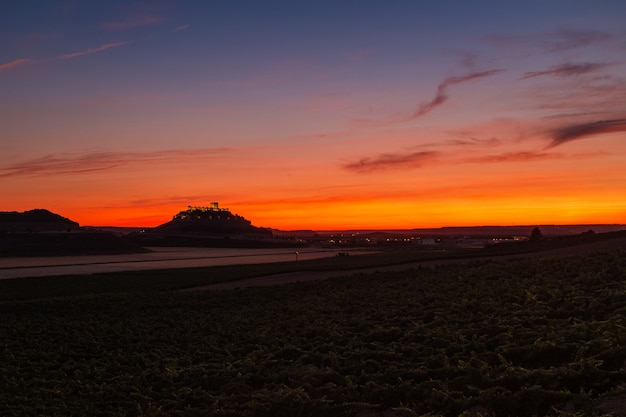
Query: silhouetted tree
x=536 y=235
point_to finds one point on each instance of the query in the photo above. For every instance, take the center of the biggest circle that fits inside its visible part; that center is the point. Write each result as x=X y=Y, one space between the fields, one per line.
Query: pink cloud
x=101 y=161
x=14 y=63
x=181 y=27
x=93 y=50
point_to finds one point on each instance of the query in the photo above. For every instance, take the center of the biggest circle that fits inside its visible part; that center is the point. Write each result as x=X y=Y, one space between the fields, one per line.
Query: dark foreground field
x=526 y=337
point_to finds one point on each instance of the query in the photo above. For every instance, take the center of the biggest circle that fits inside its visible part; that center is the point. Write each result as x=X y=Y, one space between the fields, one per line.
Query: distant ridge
x=40 y=232
x=546 y=229
x=37 y=220
x=478 y=231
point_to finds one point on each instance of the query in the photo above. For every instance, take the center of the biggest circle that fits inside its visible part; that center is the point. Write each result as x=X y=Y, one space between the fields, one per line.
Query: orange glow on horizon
x=377 y=215
x=149 y=190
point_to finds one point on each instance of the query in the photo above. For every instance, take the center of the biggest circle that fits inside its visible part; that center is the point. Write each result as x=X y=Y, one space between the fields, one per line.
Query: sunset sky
x=318 y=114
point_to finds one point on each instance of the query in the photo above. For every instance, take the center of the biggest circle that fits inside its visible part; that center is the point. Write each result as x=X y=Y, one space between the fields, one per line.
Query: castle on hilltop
x=211 y=219
x=201 y=211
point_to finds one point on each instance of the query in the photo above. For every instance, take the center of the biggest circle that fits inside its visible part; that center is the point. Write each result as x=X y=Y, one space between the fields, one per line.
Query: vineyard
x=527 y=337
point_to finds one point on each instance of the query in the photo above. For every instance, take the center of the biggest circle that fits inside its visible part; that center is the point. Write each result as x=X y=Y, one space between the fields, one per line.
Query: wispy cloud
x=102 y=161
x=575 y=114
x=14 y=63
x=132 y=22
x=93 y=50
x=580 y=131
x=442 y=91
x=392 y=161
x=474 y=142
x=412 y=160
x=568 y=70
x=522 y=156
x=182 y=27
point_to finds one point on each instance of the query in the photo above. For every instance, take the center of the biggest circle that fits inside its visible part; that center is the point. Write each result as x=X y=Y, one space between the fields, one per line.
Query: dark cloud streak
x=392 y=161
x=523 y=156
x=475 y=141
x=568 y=70
x=580 y=131
x=569 y=115
x=442 y=91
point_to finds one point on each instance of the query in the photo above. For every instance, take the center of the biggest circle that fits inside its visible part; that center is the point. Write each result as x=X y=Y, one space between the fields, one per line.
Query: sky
x=315 y=114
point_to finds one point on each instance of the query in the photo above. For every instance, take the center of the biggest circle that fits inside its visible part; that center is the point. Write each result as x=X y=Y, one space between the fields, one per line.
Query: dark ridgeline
x=37 y=220
x=43 y=233
x=40 y=232
x=211 y=226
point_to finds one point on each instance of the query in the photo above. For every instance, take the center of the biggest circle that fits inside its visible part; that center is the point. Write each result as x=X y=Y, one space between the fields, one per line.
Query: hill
x=40 y=232
x=210 y=226
x=211 y=220
x=37 y=220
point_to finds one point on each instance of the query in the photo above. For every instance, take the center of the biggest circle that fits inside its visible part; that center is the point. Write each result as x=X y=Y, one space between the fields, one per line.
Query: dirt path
x=302 y=276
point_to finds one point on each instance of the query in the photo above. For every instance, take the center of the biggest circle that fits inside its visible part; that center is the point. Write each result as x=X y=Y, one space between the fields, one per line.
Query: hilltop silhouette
x=37 y=220
x=211 y=226
x=211 y=220
x=40 y=232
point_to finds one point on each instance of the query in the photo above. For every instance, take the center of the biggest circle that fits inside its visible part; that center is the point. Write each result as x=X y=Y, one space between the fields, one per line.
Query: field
x=524 y=337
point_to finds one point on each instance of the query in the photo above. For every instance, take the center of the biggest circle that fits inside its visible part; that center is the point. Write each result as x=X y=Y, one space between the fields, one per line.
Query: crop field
x=526 y=337
x=172 y=279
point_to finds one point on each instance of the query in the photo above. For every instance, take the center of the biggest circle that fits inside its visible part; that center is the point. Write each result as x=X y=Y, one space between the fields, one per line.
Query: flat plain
x=157 y=258
x=531 y=336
